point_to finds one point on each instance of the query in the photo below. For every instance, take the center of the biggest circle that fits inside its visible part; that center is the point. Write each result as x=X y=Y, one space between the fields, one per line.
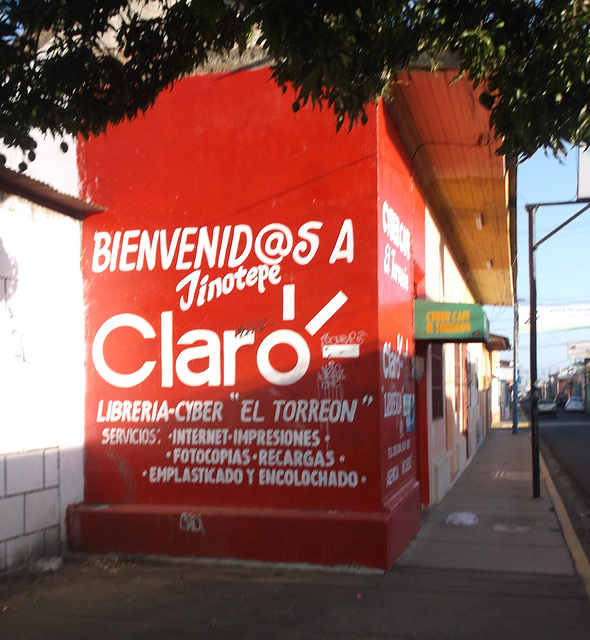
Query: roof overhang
x=498 y=343
x=470 y=189
x=42 y=194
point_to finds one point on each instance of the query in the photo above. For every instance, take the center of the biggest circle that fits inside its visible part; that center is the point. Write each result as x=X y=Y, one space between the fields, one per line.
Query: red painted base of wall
x=326 y=538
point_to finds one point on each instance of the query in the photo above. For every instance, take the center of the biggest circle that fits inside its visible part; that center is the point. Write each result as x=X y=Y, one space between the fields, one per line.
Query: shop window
x=436 y=367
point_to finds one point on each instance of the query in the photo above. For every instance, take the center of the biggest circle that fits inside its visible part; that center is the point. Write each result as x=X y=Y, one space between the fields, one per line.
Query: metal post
x=515 y=372
x=533 y=246
x=532 y=210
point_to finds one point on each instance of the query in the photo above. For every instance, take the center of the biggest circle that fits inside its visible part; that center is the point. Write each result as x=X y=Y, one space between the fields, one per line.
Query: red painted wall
x=401 y=199
x=236 y=323
x=396 y=290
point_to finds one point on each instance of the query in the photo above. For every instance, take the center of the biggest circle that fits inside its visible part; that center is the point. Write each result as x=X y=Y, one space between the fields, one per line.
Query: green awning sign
x=449 y=322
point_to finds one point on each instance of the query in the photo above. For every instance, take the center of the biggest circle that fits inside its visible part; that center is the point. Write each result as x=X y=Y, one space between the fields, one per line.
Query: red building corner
x=252 y=379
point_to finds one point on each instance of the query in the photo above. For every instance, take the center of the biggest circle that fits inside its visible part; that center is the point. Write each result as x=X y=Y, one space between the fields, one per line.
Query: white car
x=575 y=403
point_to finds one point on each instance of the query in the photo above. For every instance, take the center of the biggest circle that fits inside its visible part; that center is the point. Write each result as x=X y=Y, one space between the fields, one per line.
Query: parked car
x=575 y=403
x=560 y=400
x=547 y=408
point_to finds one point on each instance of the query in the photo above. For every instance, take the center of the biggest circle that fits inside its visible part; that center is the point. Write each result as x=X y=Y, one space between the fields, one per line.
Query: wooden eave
x=453 y=153
x=42 y=194
x=498 y=343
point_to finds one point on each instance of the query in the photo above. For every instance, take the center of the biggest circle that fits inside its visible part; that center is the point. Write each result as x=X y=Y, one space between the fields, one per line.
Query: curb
x=581 y=562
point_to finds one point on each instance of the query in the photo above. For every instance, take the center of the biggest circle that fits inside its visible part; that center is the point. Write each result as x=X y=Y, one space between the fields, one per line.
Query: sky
x=562 y=262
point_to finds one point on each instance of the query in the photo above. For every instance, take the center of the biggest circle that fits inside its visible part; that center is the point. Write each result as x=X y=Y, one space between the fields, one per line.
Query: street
x=565 y=445
x=510 y=575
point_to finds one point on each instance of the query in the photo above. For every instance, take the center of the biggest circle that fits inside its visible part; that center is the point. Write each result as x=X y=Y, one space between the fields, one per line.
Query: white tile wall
x=24 y=472
x=24 y=550
x=51 y=468
x=52 y=542
x=12 y=517
x=41 y=378
x=41 y=510
x=30 y=519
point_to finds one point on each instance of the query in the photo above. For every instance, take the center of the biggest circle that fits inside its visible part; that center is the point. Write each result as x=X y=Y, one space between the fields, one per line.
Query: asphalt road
x=565 y=445
x=568 y=436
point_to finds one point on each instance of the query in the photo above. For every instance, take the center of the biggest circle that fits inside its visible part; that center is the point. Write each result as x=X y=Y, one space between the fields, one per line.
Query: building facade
x=42 y=367
x=255 y=385
x=251 y=379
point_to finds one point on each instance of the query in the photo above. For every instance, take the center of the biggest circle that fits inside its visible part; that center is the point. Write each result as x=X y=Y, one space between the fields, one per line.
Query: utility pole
x=532 y=210
x=516 y=322
x=515 y=371
x=533 y=246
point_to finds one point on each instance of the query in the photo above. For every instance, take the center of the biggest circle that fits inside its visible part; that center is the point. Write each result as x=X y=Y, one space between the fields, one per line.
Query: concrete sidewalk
x=510 y=575
x=514 y=533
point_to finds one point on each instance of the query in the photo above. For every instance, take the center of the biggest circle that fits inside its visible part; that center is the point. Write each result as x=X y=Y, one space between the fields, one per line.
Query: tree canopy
x=71 y=67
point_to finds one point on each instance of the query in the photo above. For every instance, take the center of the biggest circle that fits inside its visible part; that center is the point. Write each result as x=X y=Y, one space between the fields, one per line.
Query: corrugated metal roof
x=44 y=195
x=453 y=152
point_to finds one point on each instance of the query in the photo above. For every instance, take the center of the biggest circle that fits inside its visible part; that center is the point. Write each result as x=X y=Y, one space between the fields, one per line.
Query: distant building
x=571 y=380
x=502 y=383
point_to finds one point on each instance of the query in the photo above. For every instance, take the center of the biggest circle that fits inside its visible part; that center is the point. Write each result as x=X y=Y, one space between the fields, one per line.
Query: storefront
x=453 y=341
x=251 y=365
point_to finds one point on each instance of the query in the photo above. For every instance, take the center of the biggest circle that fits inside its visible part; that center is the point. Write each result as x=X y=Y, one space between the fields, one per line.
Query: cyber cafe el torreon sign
x=450 y=322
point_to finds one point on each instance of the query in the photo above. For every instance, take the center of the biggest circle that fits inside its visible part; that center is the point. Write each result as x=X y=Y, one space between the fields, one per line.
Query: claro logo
x=218 y=352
